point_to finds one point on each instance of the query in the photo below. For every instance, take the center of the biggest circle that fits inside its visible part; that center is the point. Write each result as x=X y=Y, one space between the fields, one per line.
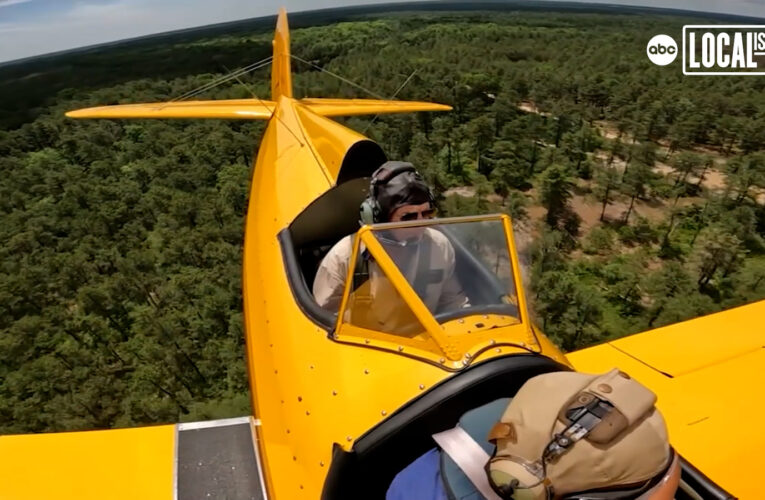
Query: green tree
x=481 y=132
x=687 y=164
x=664 y=284
x=556 y=187
x=718 y=252
x=606 y=182
x=635 y=184
x=570 y=310
x=744 y=172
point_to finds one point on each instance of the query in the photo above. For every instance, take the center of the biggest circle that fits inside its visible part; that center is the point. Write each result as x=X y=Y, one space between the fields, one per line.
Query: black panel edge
x=354 y=475
x=336 y=481
x=361 y=159
x=701 y=483
x=298 y=286
x=429 y=402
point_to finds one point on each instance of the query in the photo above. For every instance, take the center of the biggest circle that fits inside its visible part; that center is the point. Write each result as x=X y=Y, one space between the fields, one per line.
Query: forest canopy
x=638 y=194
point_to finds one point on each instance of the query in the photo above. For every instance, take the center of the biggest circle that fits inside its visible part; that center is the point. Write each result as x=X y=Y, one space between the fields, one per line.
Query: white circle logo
x=662 y=50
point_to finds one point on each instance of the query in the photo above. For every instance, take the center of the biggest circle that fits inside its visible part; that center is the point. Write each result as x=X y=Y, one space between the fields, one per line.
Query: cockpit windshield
x=433 y=278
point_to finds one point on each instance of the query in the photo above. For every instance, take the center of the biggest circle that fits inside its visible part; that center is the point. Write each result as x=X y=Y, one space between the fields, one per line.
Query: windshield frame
x=441 y=348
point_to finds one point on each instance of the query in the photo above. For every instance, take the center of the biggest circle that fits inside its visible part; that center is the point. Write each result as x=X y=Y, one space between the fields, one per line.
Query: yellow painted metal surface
x=710 y=392
x=234 y=109
x=350 y=107
x=98 y=465
x=254 y=109
x=327 y=139
x=701 y=342
x=309 y=391
x=531 y=337
x=281 y=76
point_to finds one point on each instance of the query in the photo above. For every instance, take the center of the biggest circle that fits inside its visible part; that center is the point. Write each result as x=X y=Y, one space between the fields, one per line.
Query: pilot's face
x=410 y=213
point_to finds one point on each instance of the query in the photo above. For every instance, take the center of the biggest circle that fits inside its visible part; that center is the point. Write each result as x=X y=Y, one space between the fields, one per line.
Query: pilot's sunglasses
x=425 y=214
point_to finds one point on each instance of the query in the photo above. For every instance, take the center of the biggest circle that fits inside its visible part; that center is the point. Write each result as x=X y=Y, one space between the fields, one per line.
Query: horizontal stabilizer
x=351 y=107
x=252 y=109
x=232 y=109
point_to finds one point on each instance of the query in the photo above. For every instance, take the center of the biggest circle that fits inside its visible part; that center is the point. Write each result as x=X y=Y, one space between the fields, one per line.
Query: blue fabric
x=477 y=423
x=420 y=480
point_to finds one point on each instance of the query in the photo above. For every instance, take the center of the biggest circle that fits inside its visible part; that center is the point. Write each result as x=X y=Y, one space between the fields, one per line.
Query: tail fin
x=281 y=77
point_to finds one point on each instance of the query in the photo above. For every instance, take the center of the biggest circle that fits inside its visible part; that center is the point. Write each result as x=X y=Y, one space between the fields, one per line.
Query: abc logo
x=662 y=50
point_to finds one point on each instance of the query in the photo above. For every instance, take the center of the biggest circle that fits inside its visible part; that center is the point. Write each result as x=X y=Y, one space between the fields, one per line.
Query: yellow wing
x=709 y=377
x=252 y=109
x=183 y=461
x=230 y=109
x=349 y=107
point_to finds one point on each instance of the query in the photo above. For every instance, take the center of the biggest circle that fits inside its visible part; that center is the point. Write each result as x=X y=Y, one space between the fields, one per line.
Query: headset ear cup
x=366 y=212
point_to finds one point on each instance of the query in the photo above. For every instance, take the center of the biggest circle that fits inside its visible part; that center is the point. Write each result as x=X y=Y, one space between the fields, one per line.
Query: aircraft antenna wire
x=399 y=89
x=272 y=111
x=349 y=82
x=223 y=79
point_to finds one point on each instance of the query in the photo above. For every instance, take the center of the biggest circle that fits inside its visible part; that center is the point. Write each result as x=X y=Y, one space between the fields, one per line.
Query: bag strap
x=361 y=269
x=469 y=457
x=421 y=280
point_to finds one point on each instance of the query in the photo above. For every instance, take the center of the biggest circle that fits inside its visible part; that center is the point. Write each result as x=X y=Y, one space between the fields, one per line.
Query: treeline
x=120 y=269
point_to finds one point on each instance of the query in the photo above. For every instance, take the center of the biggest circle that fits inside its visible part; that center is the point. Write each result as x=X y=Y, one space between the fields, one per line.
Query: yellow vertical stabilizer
x=281 y=77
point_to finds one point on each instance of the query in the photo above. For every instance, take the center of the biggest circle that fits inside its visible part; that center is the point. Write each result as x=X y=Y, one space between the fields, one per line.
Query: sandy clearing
x=759 y=196
x=609 y=130
x=662 y=168
x=464 y=191
x=589 y=210
x=714 y=180
x=530 y=107
x=469 y=192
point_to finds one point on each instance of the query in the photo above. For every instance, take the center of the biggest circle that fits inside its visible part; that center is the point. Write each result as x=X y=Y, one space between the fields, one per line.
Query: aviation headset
x=370 y=210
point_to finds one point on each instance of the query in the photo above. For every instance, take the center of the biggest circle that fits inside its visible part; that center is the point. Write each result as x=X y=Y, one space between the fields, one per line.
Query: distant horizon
x=360 y=6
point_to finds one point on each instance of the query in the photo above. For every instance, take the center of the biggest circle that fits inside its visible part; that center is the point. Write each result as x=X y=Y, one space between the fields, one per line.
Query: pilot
x=424 y=255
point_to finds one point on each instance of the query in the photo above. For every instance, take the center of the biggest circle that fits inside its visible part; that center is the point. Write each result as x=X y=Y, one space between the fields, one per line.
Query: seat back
x=477 y=423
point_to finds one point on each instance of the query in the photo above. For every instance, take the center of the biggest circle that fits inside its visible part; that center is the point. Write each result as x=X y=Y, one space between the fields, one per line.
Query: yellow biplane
x=342 y=402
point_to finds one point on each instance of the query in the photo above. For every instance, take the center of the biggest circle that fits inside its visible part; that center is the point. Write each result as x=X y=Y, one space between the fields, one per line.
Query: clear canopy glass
x=432 y=284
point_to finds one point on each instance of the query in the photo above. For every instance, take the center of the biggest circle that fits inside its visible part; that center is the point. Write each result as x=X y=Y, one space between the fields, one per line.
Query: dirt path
x=469 y=192
x=607 y=129
x=464 y=191
x=530 y=107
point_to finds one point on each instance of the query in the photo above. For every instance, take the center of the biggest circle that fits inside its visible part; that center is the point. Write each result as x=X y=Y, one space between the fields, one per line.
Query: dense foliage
x=637 y=192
